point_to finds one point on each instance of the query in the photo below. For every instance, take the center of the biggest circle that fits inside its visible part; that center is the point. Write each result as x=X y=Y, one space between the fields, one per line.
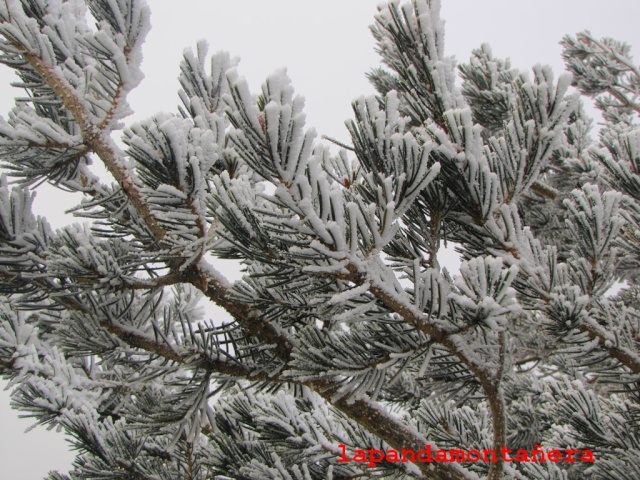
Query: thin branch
x=624 y=100
x=625 y=61
x=543 y=190
x=149 y=345
x=502 y=356
x=625 y=357
x=338 y=143
x=149 y=283
x=117 y=98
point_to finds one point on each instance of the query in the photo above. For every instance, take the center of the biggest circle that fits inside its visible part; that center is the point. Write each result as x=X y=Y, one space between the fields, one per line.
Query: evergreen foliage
x=345 y=331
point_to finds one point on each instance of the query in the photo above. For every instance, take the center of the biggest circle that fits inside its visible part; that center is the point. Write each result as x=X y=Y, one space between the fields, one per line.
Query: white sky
x=327 y=49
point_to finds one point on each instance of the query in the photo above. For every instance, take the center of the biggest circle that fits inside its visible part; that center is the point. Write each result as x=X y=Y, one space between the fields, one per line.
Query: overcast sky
x=327 y=49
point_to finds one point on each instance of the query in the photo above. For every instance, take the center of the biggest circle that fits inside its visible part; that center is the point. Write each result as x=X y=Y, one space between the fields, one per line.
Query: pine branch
x=624 y=101
x=343 y=301
x=451 y=342
x=206 y=279
x=365 y=413
x=155 y=282
x=165 y=351
x=396 y=434
x=94 y=138
x=544 y=190
x=629 y=359
x=139 y=341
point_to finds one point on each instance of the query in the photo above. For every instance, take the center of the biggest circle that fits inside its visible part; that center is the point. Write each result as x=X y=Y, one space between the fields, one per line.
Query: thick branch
x=216 y=290
x=147 y=344
x=396 y=434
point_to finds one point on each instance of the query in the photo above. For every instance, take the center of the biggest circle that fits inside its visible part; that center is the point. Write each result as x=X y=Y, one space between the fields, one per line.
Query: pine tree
x=346 y=337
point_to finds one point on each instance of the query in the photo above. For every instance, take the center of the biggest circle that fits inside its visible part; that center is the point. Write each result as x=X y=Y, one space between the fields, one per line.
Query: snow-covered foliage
x=345 y=334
